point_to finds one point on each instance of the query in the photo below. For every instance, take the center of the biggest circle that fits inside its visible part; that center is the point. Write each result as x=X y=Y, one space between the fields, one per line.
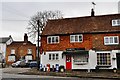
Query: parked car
x=19 y=64
x=33 y=64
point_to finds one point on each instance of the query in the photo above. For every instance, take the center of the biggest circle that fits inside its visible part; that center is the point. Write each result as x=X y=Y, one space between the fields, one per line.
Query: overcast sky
x=14 y=15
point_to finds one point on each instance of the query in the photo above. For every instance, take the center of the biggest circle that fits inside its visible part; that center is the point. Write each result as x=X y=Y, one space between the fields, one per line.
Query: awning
x=75 y=52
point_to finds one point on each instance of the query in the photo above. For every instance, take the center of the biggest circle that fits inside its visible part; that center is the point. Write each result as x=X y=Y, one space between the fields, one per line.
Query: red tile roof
x=88 y=24
x=20 y=43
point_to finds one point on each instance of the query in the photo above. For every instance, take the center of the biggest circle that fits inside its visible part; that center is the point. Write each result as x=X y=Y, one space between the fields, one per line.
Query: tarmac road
x=8 y=76
x=12 y=74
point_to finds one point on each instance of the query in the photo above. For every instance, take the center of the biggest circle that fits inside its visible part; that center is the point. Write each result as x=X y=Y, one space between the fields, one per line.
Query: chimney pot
x=92 y=12
x=25 y=38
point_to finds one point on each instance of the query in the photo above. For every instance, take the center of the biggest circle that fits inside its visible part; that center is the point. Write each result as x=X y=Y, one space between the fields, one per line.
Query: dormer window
x=116 y=22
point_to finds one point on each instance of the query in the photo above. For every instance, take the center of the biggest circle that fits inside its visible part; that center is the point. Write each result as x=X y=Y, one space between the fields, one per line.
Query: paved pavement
x=15 y=70
x=79 y=74
x=0 y=73
x=31 y=73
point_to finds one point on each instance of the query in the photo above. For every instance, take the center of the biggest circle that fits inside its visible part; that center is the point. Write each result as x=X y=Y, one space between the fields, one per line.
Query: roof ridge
x=83 y=17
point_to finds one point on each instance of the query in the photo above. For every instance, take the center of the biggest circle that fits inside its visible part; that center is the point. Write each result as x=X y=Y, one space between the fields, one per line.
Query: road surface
x=12 y=74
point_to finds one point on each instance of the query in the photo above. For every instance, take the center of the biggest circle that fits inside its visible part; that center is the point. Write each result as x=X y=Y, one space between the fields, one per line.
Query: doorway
x=118 y=60
x=68 y=62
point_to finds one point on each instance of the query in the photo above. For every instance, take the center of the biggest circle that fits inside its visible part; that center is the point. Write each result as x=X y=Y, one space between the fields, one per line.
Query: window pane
x=53 y=40
x=28 y=57
x=56 y=56
x=12 y=51
x=118 y=22
x=56 y=40
x=114 y=22
x=80 y=38
x=111 y=39
x=115 y=40
x=103 y=59
x=76 y=38
x=72 y=38
x=11 y=58
x=106 y=40
x=29 y=51
x=49 y=56
x=53 y=56
x=49 y=40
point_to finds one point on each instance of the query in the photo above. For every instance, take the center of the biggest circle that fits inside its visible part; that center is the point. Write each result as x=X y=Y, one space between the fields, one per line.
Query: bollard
x=40 y=67
x=44 y=68
x=57 y=67
x=48 y=67
x=53 y=68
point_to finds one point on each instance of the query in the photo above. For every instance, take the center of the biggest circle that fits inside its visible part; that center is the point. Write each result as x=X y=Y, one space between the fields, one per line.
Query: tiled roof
x=4 y=39
x=20 y=43
x=88 y=24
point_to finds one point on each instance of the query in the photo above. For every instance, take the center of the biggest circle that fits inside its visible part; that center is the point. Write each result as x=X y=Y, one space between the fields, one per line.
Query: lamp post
x=38 y=51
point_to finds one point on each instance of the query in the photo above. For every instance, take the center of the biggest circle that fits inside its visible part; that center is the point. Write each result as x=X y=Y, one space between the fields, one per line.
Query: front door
x=68 y=62
x=118 y=60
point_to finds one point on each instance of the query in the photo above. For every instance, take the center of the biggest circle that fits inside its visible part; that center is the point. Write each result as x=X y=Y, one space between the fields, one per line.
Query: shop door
x=68 y=62
x=118 y=60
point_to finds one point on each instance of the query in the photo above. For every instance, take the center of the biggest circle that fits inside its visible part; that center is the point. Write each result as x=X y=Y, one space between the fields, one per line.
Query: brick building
x=20 y=50
x=82 y=42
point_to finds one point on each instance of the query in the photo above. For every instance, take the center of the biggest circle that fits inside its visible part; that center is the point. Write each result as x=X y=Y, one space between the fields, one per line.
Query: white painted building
x=4 y=41
x=91 y=63
x=82 y=43
x=119 y=7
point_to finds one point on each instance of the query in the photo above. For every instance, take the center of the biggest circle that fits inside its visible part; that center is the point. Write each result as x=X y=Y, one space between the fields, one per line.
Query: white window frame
x=81 y=59
x=115 y=22
x=50 y=56
x=29 y=51
x=108 y=58
x=78 y=40
x=53 y=37
x=109 y=40
x=28 y=57
x=11 y=58
x=12 y=51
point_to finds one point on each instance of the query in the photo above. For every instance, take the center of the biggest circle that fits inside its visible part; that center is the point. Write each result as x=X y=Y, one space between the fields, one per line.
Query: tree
x=43 y=18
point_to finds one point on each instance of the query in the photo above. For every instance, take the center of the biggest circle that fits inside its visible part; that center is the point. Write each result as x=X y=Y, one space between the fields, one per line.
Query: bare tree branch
x=43 y=17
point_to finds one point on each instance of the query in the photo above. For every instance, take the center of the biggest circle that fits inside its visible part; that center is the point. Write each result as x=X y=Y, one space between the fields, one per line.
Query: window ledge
x=53 y=60
x=80 y=63
x=103 y=65
x=111 y=44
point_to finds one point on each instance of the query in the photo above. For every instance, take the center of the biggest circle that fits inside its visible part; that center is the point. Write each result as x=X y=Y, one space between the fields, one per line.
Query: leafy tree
x=43 y=17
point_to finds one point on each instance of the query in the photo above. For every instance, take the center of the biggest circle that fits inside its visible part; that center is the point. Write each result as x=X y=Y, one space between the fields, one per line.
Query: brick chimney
x=92 y=12
x=25 y=38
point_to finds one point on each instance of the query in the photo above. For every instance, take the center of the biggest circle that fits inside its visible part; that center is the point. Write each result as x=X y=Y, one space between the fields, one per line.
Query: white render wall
x=3 y=48
x=92 y=61
x=4 y=45
x=114 y=62
x=45 y=59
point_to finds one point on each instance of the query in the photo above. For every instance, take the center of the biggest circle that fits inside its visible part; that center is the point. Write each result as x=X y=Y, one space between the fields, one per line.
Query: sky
x=15 y=14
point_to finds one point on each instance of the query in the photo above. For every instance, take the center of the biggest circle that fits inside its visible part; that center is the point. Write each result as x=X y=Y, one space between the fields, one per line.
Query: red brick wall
x=90 y=41
x=98 y=42
x=65 y=43
x=18 y=51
